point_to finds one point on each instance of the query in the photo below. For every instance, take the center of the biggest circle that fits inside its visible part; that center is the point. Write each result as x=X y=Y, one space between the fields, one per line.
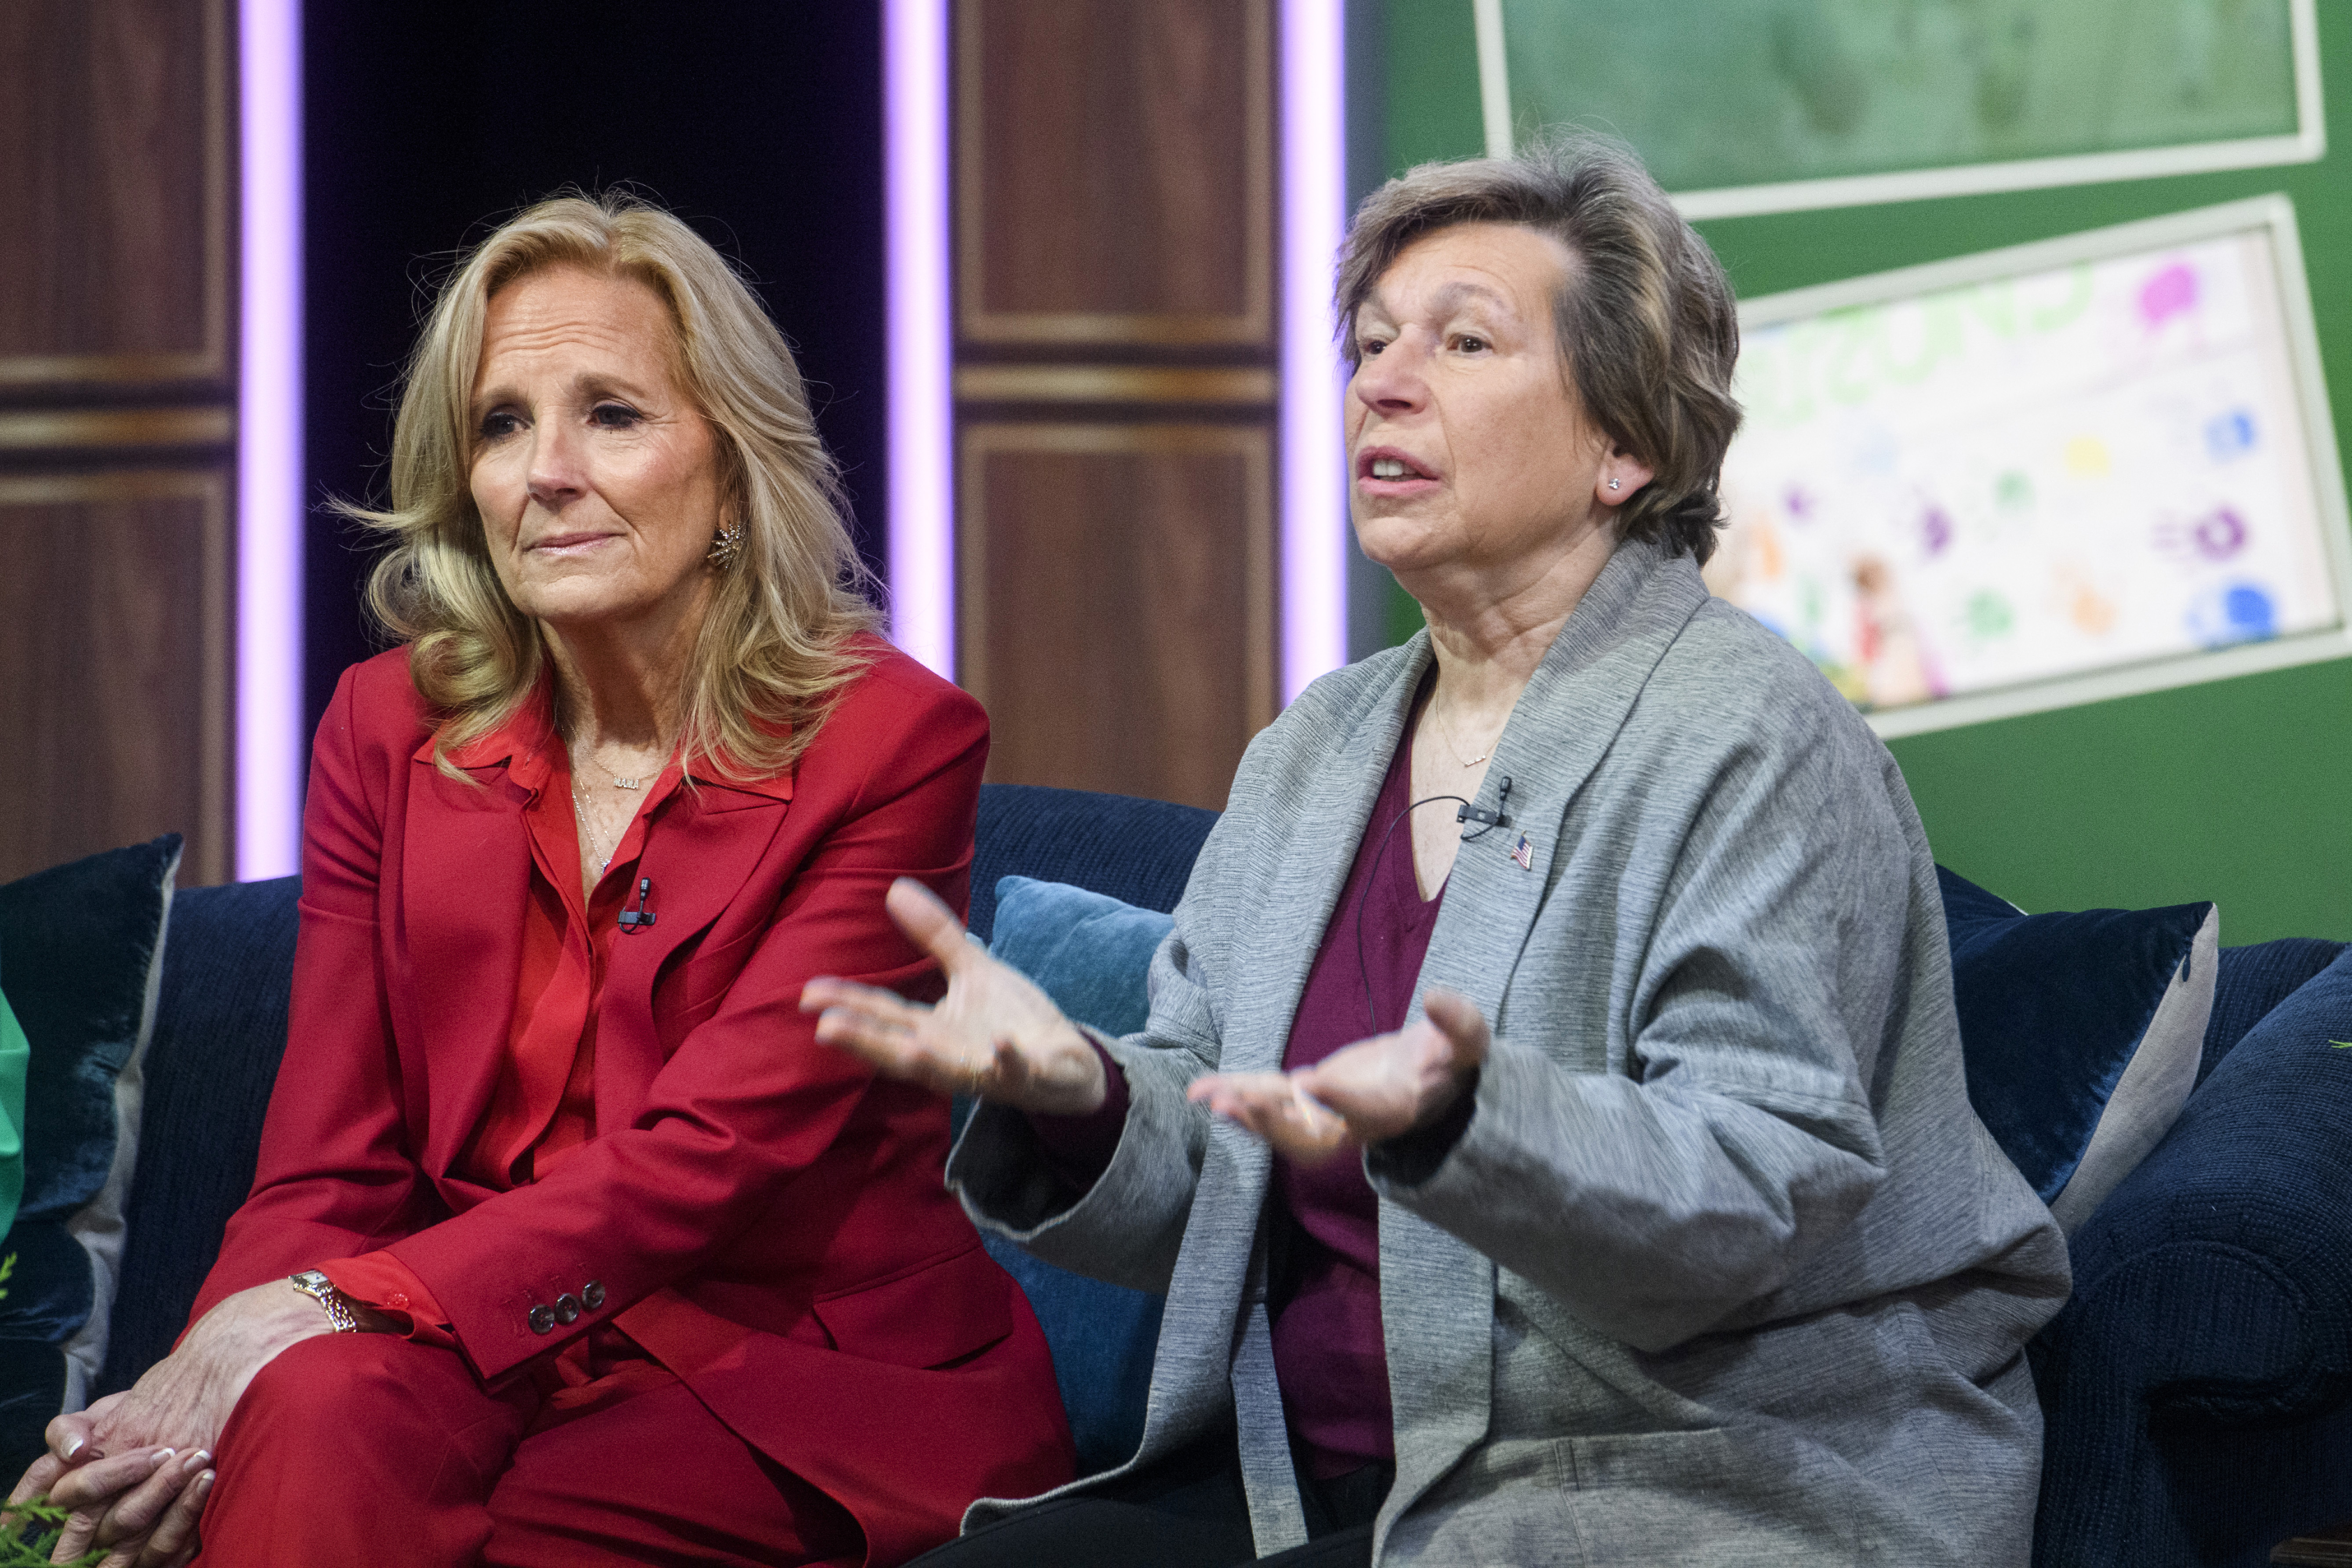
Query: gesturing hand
x=1371 y=1090
x=994 y=1034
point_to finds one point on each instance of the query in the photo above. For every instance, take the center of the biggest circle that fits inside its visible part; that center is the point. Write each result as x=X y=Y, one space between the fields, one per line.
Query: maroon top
x=1327 y=1353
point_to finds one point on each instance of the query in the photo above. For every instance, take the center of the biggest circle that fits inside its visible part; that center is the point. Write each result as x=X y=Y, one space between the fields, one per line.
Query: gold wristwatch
x=321 y=1289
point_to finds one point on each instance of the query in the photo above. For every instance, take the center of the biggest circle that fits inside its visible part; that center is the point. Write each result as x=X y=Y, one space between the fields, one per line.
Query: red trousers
x=357 y=1449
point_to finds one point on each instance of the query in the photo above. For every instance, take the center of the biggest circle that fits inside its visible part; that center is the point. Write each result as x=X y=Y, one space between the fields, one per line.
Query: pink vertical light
x=920 y=348
x=270 y=456
x=1314 y=539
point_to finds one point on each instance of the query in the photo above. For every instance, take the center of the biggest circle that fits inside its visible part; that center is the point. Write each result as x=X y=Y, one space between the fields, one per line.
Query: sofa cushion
x=1138 y=851
x=82 y=946
x=1090 y=953
x=220 y=1030
x=2082 y=1033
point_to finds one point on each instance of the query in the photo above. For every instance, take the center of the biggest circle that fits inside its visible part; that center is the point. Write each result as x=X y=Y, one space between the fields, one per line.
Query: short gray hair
x=1648 y=328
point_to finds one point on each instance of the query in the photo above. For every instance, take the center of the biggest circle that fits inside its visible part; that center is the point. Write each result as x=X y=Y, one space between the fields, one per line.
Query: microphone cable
x=1487 y=822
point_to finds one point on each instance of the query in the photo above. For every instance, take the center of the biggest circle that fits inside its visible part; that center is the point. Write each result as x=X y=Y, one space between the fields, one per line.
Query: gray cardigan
x=1725 y=1269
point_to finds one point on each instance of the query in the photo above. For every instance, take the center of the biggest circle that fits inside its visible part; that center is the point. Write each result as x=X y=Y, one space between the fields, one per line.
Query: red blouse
x=544 y=1105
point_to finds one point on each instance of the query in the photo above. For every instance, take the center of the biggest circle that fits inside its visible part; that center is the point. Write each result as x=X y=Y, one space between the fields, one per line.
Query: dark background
x=760 y=121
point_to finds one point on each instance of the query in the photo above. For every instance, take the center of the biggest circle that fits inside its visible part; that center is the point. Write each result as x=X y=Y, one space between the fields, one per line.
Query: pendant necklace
x=595 y=839
x=1444 y=734
x=587 y=818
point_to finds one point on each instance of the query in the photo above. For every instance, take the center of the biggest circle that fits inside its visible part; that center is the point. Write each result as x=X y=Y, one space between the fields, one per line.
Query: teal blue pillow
x=1092 y=954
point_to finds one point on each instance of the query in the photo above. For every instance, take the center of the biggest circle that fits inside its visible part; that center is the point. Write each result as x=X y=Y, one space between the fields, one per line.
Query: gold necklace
x=587 y=817
x=618 y=781
x=1444 y=734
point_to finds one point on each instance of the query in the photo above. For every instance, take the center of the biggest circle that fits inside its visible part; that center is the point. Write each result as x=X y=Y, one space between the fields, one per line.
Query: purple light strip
x=1314 y=459
x=921 y=347
x=269 y=477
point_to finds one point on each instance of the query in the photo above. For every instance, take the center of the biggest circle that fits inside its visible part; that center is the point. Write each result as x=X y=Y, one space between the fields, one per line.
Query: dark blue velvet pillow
x=81 y=946
x=1091 y=954
x=2082 y=1033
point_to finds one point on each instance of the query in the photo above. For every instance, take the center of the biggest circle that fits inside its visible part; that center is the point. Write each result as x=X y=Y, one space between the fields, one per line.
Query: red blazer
x=766 y=1217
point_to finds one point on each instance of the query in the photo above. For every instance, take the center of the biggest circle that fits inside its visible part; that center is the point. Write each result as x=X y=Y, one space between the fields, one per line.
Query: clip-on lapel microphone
x=1478 y=814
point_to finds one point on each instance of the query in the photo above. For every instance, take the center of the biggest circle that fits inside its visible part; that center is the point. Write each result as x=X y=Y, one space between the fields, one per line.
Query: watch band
x=321 y=1289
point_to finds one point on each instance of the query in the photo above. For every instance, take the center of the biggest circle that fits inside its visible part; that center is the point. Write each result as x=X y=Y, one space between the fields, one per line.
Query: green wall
x=2238 y=791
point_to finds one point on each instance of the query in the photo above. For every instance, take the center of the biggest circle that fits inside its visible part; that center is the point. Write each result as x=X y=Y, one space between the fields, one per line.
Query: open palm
x=993 y=1035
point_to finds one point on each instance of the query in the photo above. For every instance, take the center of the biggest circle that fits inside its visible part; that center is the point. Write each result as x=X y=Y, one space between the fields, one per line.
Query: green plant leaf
x=29 y=1530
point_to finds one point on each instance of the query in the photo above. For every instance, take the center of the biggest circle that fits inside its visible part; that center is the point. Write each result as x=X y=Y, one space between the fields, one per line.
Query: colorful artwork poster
x=2027 y=479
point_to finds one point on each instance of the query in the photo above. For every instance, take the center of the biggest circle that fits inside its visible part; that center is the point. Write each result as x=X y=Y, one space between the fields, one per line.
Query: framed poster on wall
x=1757 y=106
x=2050 y=474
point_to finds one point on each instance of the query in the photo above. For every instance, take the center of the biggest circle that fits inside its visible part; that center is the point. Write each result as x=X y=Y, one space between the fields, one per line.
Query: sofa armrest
x=2223 y=1264
x=2212 y=1289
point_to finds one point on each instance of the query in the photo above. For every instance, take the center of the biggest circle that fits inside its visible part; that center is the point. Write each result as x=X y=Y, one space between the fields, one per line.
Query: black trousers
x=1187 y=1511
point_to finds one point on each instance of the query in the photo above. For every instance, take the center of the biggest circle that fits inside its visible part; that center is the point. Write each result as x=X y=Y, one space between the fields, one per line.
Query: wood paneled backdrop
x=117 y=399
x=1115 y=385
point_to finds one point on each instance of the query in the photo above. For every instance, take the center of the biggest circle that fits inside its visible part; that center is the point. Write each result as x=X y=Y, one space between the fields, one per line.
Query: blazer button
x=541 y=1320
x=567 y=1308
x=592 y=1294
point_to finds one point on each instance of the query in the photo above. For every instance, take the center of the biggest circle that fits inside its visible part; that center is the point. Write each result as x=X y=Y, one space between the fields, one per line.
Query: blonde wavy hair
x=773 y=647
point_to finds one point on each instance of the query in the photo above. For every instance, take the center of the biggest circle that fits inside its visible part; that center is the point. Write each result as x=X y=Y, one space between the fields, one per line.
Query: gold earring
x=725 y=546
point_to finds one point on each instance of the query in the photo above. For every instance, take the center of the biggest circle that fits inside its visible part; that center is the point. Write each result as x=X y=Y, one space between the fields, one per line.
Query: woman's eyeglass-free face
x=1465 y=439
x=596 y=477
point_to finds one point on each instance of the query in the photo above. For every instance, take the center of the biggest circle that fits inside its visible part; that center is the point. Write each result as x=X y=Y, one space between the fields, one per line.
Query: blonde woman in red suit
x=569 y=1244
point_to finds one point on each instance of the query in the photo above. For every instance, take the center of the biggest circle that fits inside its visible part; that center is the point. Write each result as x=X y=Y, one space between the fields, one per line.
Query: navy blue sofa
x=2198 y=1387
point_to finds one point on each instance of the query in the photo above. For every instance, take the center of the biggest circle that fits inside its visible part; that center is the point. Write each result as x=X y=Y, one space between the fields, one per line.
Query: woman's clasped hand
x=136 y=1467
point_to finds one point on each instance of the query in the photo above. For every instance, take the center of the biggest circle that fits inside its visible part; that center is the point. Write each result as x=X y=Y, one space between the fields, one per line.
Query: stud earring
x=726 y=545
x=1612 y=484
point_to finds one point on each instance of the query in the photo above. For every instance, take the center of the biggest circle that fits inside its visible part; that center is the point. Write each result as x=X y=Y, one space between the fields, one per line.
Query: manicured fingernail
x=73 y=1448
x=204 y=1484
x=195 y=1460
x=164 y=1453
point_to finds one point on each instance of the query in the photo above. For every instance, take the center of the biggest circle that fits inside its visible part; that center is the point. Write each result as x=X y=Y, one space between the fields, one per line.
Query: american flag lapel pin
x=1525 y=854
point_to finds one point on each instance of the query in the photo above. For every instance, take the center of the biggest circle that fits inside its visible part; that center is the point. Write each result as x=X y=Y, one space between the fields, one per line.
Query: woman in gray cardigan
x=1599 y=936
